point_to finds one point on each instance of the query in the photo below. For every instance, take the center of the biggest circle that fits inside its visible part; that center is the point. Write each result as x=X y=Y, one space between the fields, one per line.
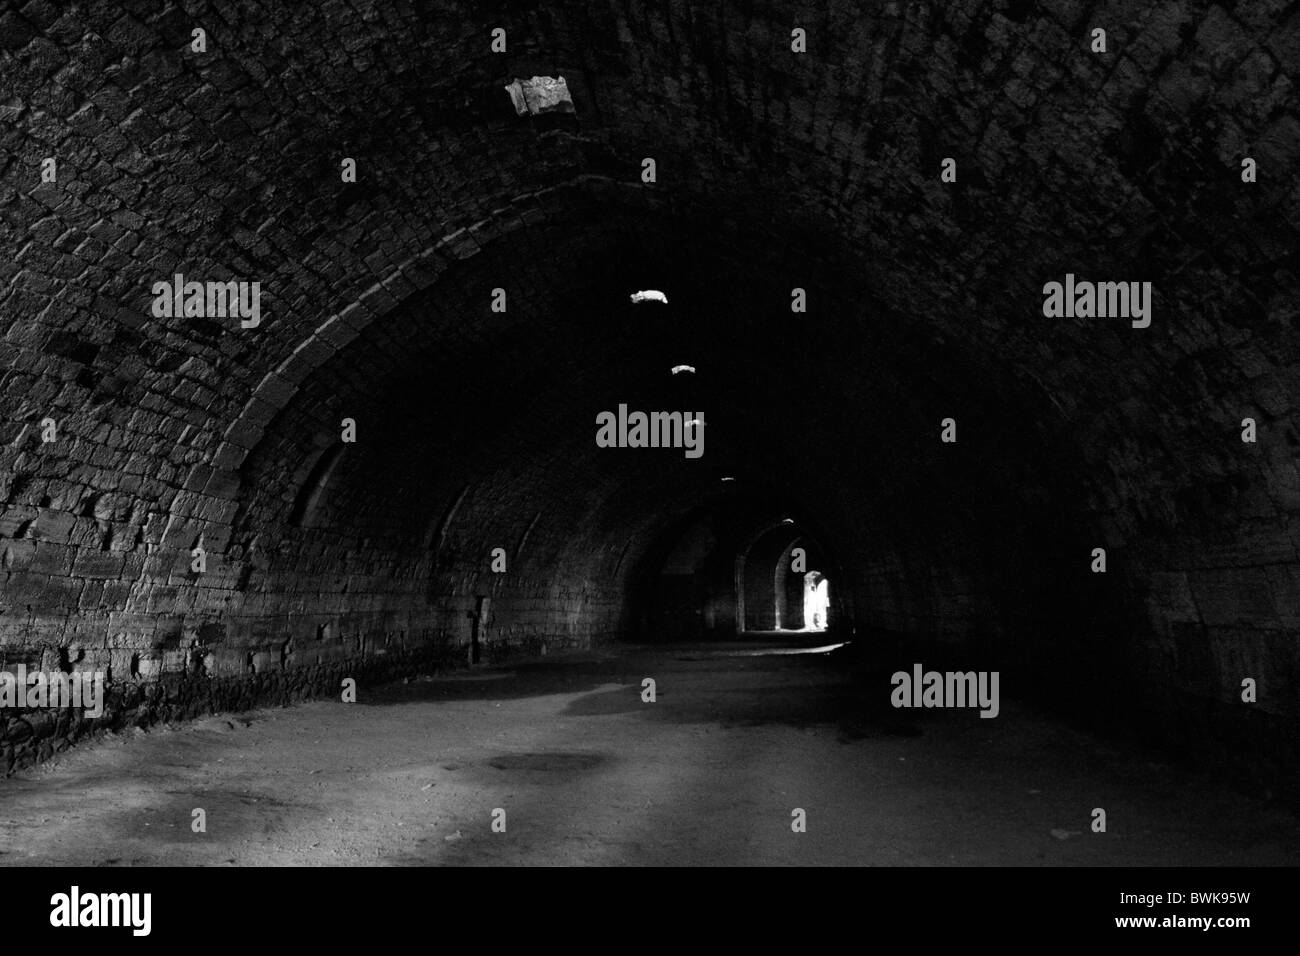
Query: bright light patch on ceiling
x=541 y=94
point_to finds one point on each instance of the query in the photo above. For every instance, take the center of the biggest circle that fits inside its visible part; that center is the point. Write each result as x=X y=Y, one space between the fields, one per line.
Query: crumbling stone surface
x=541 y=94
x=30 y=736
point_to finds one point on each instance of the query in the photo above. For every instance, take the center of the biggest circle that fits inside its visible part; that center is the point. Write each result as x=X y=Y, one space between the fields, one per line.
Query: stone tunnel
x=390 y=474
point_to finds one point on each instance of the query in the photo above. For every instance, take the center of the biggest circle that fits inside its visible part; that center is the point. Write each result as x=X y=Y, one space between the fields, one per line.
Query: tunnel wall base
x=30 y=736
x=171 y=668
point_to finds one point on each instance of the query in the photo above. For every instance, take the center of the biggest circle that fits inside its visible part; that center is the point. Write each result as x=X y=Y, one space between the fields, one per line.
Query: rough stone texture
x=775 y=170
x=541 y=94
x=30 y=736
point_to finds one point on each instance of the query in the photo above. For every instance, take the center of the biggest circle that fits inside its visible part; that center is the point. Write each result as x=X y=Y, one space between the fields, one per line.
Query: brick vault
x=464 y=300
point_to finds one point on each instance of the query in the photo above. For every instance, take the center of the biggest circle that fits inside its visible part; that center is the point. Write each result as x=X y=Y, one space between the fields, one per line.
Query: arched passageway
x=423 y=450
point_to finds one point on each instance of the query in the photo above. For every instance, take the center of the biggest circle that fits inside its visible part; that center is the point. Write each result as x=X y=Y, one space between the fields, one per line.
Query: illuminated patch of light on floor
x=774 y=651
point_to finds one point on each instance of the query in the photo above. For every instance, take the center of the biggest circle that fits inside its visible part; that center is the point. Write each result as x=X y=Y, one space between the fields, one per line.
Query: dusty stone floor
x=589 y=774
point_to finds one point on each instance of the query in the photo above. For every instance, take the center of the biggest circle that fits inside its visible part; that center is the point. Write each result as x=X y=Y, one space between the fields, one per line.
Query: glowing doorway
x=816 y=601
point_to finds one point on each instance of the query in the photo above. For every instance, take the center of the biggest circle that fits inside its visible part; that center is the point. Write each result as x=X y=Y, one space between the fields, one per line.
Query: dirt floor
x=587 y=773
